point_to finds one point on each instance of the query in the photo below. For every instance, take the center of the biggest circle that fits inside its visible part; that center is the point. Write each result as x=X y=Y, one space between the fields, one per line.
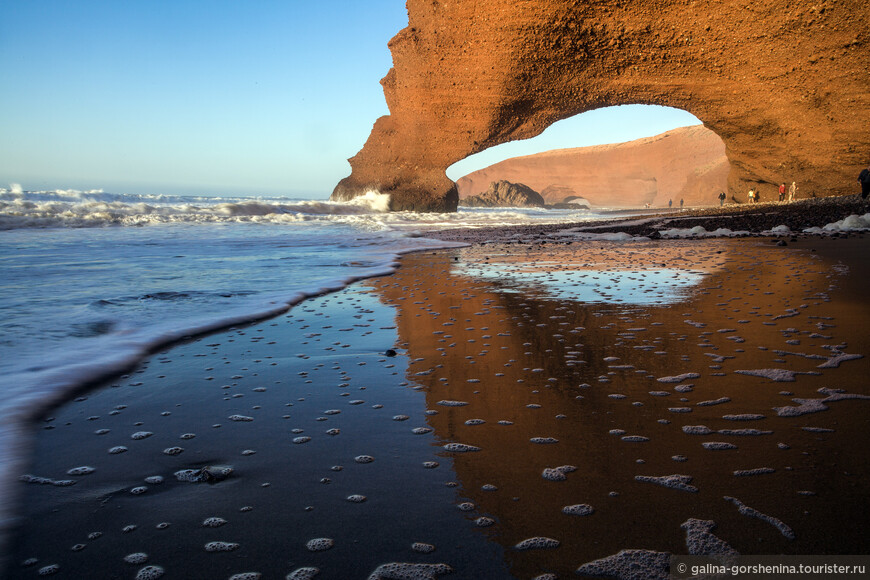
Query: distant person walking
x=721 y=199
x=670 y=203
x=792 y=191
x=681 y=203
x=781 y=192
x=751 y=196
x=864 y=180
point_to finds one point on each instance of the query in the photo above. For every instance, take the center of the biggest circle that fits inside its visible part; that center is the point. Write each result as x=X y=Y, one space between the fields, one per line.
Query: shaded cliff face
x=783 y=84
x=687 y=163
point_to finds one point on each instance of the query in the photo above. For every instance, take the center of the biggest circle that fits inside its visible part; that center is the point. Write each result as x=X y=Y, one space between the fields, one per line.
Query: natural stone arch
x=783 y=83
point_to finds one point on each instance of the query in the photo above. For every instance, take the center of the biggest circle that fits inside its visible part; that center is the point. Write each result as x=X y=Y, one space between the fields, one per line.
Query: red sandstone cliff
x=783 y=83
x=687 y=163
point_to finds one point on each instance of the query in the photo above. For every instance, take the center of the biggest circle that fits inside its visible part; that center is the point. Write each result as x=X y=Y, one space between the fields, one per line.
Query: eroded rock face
x=687 y=163
x=505 y=194
x=784 y=85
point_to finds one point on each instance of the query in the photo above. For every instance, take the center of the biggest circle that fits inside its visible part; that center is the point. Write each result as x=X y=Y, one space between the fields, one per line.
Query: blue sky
x=217 y=97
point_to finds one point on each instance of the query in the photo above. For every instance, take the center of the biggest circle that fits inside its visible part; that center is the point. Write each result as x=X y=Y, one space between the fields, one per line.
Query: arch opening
x=619 y=156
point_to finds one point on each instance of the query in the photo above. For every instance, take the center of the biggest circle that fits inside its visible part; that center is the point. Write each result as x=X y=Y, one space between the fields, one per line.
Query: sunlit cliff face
x=597 y=355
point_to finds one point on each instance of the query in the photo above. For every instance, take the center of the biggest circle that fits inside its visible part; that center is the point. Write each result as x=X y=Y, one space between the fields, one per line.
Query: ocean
x=91 y=282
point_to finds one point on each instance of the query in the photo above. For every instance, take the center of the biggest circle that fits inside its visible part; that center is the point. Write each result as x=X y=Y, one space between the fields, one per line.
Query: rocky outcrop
x=783 y=83
x=687 y=163
x=505 y=194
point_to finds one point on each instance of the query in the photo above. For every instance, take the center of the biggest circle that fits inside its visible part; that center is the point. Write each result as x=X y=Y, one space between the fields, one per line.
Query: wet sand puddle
x=546 y=408
x=653 y=411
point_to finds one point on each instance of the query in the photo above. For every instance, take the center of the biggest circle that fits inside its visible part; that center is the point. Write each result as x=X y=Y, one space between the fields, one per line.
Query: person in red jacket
x=781 y=192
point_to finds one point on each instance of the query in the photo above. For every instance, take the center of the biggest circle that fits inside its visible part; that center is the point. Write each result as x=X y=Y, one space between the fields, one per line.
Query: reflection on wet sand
x=633 y=362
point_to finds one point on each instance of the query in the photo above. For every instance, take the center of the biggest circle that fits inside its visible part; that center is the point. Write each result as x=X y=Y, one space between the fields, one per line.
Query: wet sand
x=604 y=395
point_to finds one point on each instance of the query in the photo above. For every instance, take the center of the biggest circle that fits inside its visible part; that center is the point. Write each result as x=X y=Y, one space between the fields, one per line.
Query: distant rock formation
x=688 y=163
x=783 y=83
x=505 y=194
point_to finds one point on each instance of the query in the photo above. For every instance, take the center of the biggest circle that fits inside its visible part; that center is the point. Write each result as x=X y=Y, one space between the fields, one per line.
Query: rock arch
x=783 y=83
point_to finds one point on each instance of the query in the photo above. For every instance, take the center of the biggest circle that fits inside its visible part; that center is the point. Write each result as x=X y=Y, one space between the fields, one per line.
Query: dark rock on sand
x=505 y=194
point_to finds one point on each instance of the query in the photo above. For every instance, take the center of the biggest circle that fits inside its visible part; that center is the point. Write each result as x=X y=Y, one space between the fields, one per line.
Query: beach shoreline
x=755 y=218
x=445 y=327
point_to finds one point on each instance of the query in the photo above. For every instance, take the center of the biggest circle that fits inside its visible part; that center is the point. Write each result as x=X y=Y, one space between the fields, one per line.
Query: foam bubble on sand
x=422 y=547
x=483 y=522
x=678 y=378
x=630 y=565
x=319 y=544
x=356 y=498
x=306 y=573
x=452 y=403
x=466 y=506
x=136 y=558
x=687 y=388
x=246 y=576
x=154 y=479
x=48 y=570
x=675 y=481
x=776 y=375
x=617 y=432
x=680 y=409
x=660 y=393
x=743 y=417
x=543 y=440
x=301 y=440
x=408 y=571
x=718 y=445
x=400 y=417
x=240 y=418
x=557 y=473
x=700 y=542
x=696 y=430
x=712 y=402
x=363 y=458
x=208 y=473
x=743 y=432
x=213 y=522
x=138 y=435
x=421 y=430
x=807 y=406
x=472 y=422
x=83 y=470
x=460 y=447
x=580 y=509
x=221 y=546
x=754 y=513
x=635 y=438
x=839 y=357
x=751 y=472
x=537 y=543
x=150 y=573
x=173 y=450
x=117 y=449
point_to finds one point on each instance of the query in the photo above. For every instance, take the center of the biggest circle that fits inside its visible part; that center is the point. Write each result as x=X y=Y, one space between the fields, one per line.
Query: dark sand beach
x=603 y=394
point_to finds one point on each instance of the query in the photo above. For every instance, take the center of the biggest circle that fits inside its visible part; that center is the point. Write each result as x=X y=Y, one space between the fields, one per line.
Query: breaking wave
x=76 y=209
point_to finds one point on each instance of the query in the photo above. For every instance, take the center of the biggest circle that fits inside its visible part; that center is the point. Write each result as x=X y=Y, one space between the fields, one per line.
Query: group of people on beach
x=789 y=194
